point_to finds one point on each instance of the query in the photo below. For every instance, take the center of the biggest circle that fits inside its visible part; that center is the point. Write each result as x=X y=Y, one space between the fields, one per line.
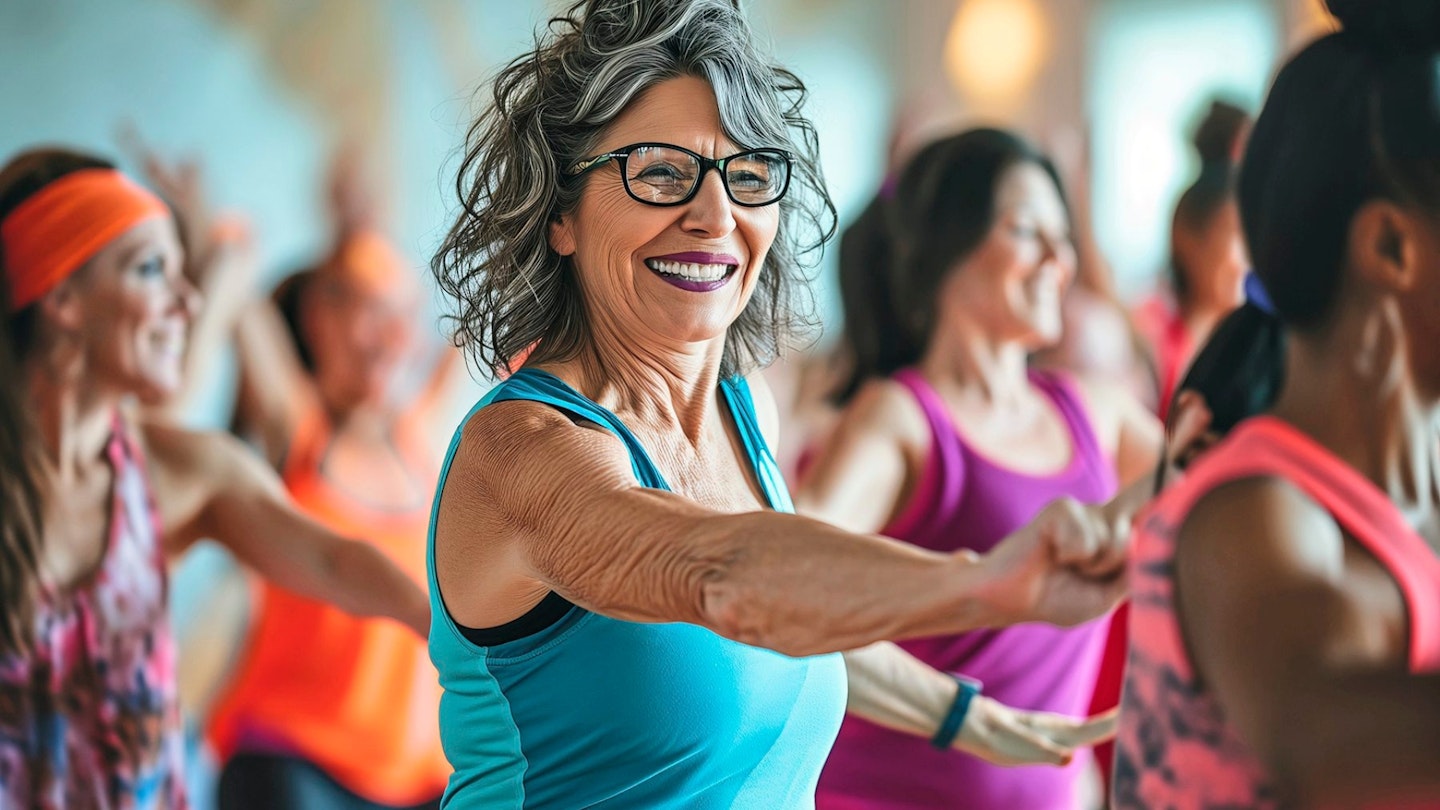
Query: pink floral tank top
x=1176 y=748
x=90 y=720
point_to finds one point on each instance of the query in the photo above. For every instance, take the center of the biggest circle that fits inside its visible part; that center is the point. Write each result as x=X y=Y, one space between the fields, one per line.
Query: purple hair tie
x=1255 y=294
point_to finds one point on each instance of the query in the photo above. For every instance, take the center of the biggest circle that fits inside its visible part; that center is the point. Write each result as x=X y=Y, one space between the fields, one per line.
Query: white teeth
x=690 y=272
x=170 y=344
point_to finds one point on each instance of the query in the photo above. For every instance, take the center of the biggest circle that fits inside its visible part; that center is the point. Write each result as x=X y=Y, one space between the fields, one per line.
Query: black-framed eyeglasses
x=662 y=174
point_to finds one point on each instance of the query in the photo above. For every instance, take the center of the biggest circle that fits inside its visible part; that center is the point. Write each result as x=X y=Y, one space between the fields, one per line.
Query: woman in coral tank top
x=1302 y=551
x=323 y=710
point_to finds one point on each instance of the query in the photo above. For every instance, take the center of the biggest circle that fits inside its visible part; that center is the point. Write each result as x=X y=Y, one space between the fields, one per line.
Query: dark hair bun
x=1218 y=137
x=1391 y=24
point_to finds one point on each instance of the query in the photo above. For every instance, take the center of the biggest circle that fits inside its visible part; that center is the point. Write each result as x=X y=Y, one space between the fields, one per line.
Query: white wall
x=1152 y=66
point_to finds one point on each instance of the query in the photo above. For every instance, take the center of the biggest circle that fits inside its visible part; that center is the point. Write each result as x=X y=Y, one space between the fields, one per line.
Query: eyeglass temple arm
x=582 y=166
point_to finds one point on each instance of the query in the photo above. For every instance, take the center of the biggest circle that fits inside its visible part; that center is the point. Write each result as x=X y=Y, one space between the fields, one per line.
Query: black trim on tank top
x=541 y=617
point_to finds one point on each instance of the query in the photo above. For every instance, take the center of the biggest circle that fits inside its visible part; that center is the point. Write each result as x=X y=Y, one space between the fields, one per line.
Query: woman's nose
x=710 y=212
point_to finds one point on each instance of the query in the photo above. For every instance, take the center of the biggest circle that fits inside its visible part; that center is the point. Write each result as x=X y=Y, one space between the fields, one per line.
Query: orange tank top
x=359 y=698
x=1175 y=748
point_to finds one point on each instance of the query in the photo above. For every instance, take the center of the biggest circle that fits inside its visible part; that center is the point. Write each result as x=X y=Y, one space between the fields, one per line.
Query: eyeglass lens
x=661 y=175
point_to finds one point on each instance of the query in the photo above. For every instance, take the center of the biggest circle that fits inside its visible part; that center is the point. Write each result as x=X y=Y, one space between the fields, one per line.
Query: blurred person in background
x=1208 y=263
x=324 y=710
x=98 y=497
x=950 y=441
x=1098 y=338
x=1208 y=260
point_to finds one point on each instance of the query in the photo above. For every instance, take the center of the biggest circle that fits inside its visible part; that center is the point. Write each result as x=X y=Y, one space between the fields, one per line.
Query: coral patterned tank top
x=1176 y=748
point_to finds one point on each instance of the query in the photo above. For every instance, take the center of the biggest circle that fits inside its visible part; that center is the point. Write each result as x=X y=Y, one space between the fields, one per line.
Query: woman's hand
x=1005 y=735
x=1065 y=567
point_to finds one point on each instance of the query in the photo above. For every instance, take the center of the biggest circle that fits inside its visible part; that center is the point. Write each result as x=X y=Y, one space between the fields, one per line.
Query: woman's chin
x=153 y=391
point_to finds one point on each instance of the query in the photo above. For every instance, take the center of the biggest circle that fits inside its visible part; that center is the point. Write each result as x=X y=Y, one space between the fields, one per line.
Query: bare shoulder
x=1124 y=426
x=190 y=470
x=1262 y=594
x=196 y=454
x=1103 y=399
x=1255 y=529
x=885 y=409
x=515 y=457
x=522 y=472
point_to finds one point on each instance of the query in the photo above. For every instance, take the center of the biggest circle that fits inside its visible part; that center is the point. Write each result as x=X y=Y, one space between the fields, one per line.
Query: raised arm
x=274 y=388
x=224 y=492
x=219 y=260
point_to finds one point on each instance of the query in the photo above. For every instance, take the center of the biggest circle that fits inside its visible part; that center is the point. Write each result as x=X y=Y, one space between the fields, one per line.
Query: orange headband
x=55 y=231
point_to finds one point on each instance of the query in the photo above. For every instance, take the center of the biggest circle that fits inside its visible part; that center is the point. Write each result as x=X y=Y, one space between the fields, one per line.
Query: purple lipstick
x=694 y=271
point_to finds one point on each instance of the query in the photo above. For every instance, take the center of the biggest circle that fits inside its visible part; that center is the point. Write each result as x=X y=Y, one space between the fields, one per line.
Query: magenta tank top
x=965 y=500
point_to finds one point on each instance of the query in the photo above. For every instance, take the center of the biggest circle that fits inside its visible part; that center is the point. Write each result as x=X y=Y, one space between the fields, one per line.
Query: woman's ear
x=1384 y=246
x=562 y=235
x=64 y=305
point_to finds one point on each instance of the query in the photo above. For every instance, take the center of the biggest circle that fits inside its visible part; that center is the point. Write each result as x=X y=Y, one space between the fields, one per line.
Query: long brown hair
x=905 y=247
x=21 y=488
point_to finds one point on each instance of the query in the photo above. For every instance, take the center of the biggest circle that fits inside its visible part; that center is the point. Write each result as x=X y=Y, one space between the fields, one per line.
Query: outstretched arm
x=212 y=486
x=274 y=389
x=536 y=502
x=891 y=688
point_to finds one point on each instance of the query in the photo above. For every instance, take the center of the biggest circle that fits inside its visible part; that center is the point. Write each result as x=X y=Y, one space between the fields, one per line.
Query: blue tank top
x=596 y=712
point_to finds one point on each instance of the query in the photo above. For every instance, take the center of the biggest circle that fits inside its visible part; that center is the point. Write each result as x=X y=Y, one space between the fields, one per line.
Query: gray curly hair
x=510 y=291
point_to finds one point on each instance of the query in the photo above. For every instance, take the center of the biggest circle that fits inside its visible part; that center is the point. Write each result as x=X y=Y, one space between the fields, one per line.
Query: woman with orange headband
x=326 y=711
x=94 y=499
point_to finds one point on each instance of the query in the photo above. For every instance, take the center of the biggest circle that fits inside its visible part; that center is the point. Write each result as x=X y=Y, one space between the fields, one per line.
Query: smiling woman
x=532 y=154
x=612 y=567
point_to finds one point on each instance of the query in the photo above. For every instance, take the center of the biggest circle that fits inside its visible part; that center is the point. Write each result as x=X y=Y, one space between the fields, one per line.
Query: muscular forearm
x=801 y=586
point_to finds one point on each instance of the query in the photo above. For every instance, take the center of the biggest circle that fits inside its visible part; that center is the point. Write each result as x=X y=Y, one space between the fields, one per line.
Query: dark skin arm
x=1377 y=739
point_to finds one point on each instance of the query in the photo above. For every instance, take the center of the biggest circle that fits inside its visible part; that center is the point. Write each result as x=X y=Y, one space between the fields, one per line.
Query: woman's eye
x=661 y=173
x=749 y=180
x=153 y=266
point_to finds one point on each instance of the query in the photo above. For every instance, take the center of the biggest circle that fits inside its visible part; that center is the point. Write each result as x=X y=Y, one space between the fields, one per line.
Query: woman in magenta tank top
x=950 y=442
x=1300 y=558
